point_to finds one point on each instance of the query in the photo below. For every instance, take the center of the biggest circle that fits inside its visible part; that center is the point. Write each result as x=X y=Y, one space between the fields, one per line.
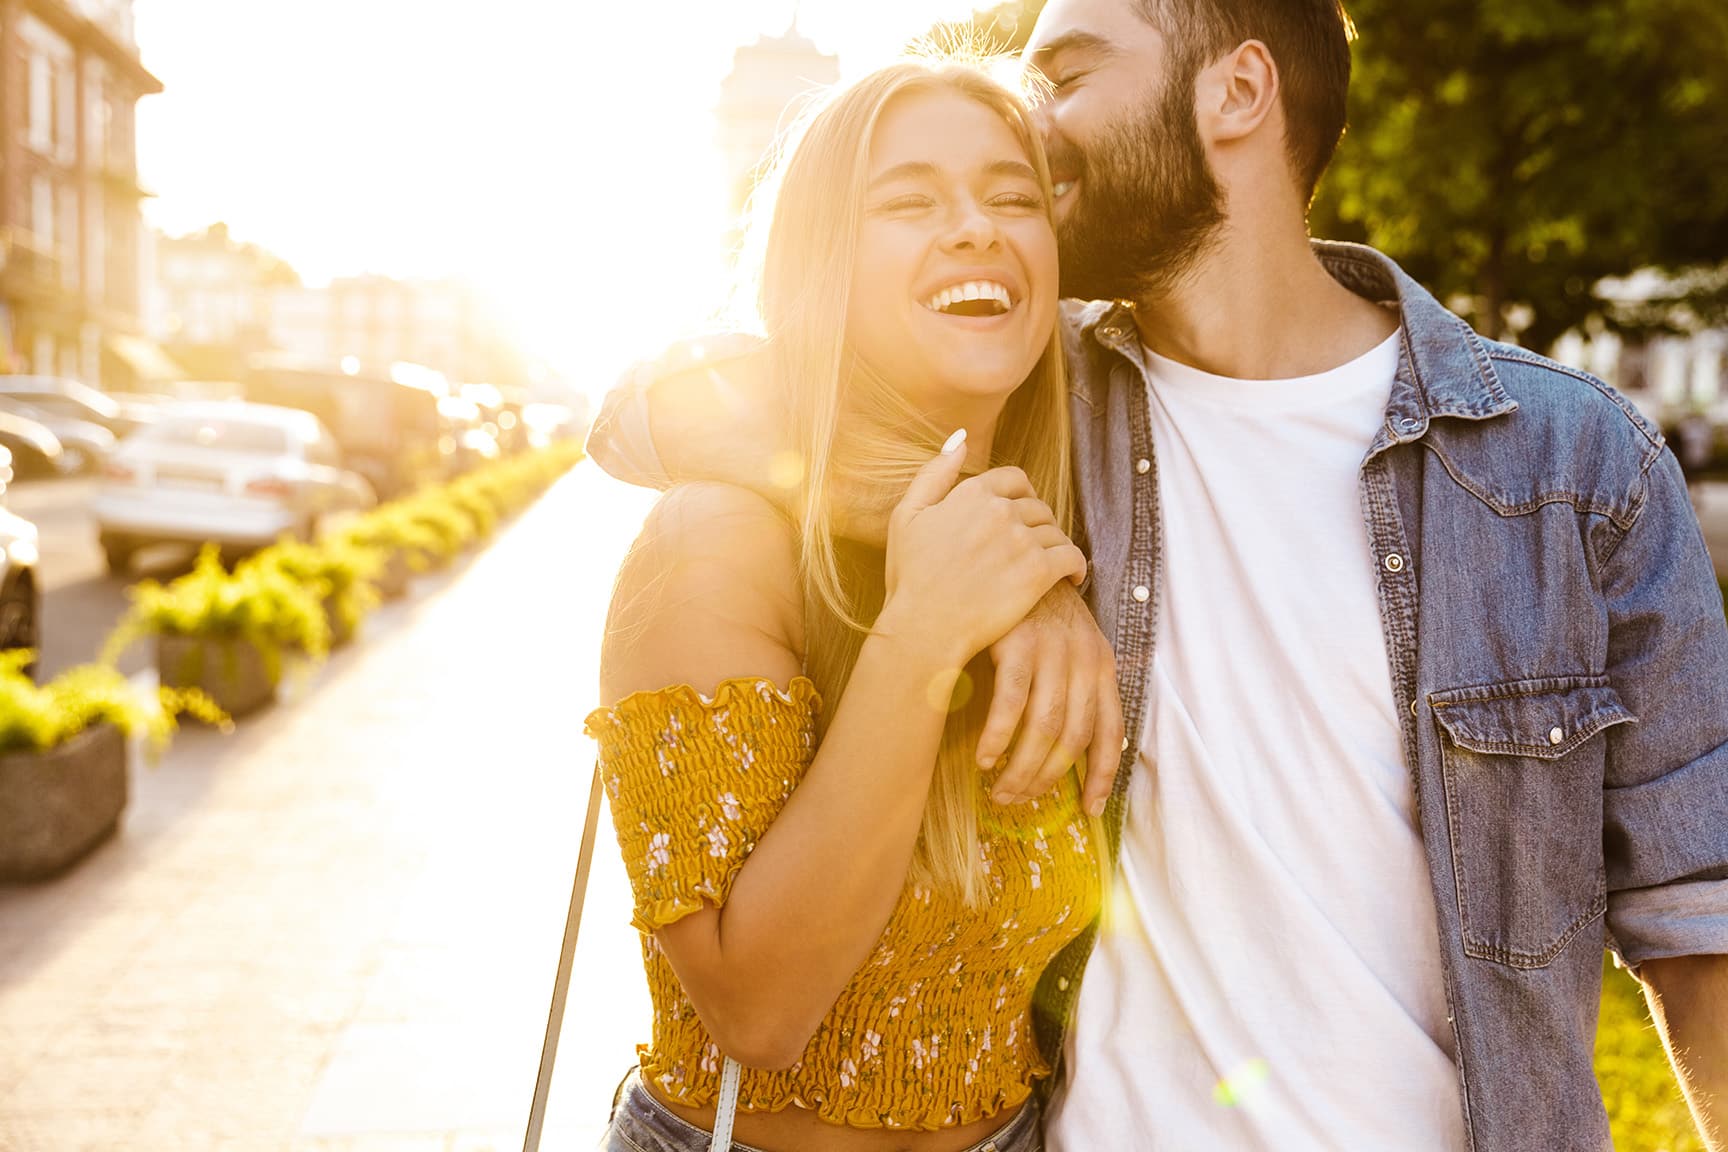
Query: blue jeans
x=641 y=1123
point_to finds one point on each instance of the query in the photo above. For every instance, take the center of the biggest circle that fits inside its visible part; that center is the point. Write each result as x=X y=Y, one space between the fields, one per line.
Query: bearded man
x=1423 y=661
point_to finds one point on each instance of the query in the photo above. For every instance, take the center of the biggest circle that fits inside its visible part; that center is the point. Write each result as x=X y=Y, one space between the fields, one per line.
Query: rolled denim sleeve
x=1665 y=803
x=621 y=439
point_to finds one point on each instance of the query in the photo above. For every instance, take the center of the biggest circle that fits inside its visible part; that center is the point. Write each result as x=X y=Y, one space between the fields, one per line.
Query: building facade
x=70 y=227
x=760 y=98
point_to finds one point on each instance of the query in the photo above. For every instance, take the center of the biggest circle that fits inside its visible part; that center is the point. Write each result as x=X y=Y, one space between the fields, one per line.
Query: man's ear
x=1236 y=93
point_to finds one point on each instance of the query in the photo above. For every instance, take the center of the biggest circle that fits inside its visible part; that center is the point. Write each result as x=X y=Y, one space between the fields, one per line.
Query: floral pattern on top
x=934 y=1029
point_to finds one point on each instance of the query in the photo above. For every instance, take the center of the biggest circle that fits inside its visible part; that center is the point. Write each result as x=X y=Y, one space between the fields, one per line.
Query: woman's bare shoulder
x=708 y=592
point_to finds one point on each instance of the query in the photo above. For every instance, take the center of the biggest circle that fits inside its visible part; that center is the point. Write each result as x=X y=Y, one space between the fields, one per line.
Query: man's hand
x=1056 y=685
x=1688 y=998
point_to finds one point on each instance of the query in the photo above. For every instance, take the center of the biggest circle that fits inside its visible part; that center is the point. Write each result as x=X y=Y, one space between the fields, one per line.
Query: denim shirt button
x=1408 y=424
x=1394 y=563
x=1142 y=465
x=1062 y=983
x=1142 y=593
x=1556 y=736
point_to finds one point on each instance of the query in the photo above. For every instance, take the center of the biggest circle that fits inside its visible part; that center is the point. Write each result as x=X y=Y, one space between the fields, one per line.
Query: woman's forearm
x=815 y=894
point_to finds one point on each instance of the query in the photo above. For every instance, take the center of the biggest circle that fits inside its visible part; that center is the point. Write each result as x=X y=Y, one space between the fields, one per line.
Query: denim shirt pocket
x=1522 y=763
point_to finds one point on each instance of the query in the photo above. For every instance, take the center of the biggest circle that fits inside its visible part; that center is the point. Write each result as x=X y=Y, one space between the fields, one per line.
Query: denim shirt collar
x=1443 y=367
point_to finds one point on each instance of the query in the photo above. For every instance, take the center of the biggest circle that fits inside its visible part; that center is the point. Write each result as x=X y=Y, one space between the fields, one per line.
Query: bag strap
x=728 y=1109
x=561 y=982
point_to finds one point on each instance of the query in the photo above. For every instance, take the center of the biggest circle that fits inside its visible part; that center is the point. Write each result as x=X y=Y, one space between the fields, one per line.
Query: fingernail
x=1096 y=808
x=986 y=762
x=953 y=443
x=1003 y=797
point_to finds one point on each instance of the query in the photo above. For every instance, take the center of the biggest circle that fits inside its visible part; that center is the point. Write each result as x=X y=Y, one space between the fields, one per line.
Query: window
x=41 y=75
x=222 y=435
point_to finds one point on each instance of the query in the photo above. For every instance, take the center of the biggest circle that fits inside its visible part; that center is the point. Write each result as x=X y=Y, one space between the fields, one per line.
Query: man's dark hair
x=1309 y=40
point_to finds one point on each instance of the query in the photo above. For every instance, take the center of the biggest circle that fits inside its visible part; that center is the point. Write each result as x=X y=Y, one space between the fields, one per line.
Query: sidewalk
x=337 y=928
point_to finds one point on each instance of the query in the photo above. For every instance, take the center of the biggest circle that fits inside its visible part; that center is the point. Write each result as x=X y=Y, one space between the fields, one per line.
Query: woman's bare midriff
x=795 y=1129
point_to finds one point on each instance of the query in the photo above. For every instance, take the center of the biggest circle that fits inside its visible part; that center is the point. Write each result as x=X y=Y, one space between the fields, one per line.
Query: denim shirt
x=1560 y=659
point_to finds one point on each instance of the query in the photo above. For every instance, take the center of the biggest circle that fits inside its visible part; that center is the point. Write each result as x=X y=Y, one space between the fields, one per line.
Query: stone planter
x=57 y=805
x=394 y=576
x=231 y=672
x=340 y=636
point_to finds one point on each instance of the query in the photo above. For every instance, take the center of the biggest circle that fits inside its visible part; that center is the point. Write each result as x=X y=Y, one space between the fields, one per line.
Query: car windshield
x=222 y=435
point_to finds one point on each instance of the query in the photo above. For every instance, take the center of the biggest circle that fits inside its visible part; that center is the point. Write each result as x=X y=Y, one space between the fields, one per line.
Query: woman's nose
x=972 y=228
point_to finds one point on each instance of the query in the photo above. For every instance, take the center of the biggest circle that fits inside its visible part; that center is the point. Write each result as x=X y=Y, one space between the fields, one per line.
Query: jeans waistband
x=640 y=1123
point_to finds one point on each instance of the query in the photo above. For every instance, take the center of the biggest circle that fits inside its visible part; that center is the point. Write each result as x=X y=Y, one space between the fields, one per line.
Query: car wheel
x=118 y=554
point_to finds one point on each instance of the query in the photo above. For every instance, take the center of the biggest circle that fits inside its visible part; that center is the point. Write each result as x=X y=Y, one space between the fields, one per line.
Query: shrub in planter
x=63 y=759
x=225 y=632
x=452 y=529
x=407 y=543
x=471 y=499
x=341 y=572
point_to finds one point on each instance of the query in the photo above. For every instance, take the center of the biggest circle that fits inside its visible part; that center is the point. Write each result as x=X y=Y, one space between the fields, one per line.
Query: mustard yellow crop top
x=935 y=1028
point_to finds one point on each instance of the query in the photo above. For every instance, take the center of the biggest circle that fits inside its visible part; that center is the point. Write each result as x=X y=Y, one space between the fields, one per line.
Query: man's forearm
x=1688 y=998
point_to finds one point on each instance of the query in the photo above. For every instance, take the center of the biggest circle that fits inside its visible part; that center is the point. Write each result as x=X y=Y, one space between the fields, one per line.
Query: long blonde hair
x=855 y=434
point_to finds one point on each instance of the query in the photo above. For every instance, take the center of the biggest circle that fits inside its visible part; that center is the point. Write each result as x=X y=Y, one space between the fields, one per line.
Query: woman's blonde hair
x=853 y=433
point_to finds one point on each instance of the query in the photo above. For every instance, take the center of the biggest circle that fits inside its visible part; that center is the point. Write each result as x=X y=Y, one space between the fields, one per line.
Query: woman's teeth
x=973 y=298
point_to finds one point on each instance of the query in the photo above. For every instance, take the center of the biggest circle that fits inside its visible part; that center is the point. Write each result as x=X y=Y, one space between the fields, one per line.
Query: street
x=337 y=928
x=80 y=601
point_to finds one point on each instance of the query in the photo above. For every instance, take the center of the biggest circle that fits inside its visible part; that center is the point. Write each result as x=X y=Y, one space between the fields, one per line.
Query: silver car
x=230 y=472
x=20 y=599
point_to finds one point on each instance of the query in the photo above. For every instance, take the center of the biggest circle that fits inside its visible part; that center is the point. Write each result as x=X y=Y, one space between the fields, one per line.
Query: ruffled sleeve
x=695 y=781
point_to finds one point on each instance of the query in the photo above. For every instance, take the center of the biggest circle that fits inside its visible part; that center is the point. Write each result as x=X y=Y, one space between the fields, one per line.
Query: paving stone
x=335 y=930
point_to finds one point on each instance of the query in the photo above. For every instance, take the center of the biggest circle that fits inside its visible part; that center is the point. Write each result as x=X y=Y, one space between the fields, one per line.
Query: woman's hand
x=968 y=559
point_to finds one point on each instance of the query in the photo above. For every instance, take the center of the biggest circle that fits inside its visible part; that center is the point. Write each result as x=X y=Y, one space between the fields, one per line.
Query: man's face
x=1136 y=201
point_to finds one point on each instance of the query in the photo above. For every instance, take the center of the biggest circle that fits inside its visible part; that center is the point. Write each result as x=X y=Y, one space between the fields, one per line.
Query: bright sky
x=558 y=154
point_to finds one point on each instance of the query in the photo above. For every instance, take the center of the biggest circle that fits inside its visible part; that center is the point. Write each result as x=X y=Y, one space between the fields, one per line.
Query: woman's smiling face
x=953 y=294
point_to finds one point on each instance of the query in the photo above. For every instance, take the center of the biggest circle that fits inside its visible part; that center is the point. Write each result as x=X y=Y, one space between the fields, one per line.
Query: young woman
x=841 y=930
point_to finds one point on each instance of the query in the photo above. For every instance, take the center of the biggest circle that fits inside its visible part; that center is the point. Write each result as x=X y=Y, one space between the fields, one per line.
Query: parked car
x=71 y=400
x=389 y=432
x=32 y=449
x=231 y=472
x=84 y=443
x=20 y=601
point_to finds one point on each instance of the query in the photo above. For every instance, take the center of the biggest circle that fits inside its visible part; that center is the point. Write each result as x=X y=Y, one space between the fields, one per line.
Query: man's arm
x=1688 y=998
x=699 y=412
x=1665 y=805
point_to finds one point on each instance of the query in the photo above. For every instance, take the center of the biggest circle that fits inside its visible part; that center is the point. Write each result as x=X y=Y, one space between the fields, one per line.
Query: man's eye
x=1017 y=200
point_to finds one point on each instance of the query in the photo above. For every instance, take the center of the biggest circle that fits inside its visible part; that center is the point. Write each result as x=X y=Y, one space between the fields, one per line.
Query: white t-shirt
x=1268 y=976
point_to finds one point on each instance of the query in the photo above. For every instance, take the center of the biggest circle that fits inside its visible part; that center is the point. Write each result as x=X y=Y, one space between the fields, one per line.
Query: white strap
x=728 y=1109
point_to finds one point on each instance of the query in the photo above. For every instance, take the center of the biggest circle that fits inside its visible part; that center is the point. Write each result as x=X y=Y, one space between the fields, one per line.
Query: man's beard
x=1148 y=203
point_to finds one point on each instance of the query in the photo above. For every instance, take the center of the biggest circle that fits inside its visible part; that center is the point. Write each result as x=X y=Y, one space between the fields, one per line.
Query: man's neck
x=1260 y=306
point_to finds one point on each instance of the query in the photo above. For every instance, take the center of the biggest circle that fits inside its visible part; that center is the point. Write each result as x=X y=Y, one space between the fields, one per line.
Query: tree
x=1511 y=154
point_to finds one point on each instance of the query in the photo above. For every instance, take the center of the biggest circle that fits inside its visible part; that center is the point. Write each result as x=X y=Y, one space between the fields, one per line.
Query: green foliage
x=447 y=526
x=341 y=572
x=1512 y=153
x=1645 y=1108
x=260 y=604
x=40 y=717
x=393 y=527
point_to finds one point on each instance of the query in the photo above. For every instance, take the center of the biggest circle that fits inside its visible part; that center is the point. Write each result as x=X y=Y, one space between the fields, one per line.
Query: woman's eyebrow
x=923 y=169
